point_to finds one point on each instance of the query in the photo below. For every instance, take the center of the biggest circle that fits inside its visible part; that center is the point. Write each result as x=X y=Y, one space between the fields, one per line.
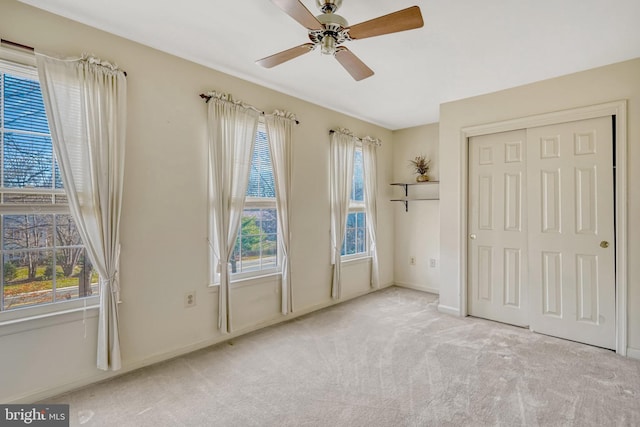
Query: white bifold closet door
x=541 y=243
x=497 y=228
x=571 y=231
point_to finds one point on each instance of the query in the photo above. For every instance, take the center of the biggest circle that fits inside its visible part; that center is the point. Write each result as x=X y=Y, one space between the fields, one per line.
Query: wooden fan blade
x=285 y=55
x=402 y=20
x=353 y=64
x=297 y=10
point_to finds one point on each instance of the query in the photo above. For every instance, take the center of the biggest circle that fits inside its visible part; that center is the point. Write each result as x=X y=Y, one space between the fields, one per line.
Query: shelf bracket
x=406 y=195
x=406 y=199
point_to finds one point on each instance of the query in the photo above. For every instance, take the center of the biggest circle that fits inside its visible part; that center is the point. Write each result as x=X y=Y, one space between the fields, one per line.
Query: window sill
x=29 y=318
x=358 y=260
x=248 y=281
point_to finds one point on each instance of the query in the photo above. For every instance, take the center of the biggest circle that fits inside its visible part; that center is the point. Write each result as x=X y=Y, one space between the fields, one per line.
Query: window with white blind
x=256 y=250
x=355 y=239
x=43 y=258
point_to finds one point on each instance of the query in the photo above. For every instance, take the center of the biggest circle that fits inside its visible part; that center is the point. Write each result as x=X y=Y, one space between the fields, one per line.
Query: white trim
x=614 y=108
x=265 y=277
x=563 y=116
x=49 y=319
x=18 y=65
x=37 y=310
x=463 y=190
x=46 y=393
x=35 y=209
x=450 y=310
x=418 y=287
x=260 y=203
x=254 y=274
x=46 y=315
x=354 y=259
x=633 y=353
x=22 y=64
x=356 y=207
x=347 y=259
x=258 y=279
x=620 y=174
x=20 y=56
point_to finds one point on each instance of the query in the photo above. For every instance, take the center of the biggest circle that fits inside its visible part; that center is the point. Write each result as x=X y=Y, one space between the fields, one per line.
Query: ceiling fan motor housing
x=333 y=34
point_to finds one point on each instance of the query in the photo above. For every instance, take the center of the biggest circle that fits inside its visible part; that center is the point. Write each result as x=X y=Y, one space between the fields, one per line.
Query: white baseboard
x=449 y=310
x=99 y=376
x=633 y=353
x=46 y=393
x=418 y=287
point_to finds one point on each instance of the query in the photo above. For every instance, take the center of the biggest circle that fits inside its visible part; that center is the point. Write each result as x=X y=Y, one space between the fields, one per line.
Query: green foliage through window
x=256 y=247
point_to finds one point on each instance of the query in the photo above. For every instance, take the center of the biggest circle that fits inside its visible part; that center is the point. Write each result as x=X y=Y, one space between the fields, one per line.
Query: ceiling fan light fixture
x=328 y=6
x=328 y=45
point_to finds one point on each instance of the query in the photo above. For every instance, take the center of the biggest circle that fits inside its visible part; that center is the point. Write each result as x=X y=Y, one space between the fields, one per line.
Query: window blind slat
x=261 y=182
x=41 y=252
x=23 y=105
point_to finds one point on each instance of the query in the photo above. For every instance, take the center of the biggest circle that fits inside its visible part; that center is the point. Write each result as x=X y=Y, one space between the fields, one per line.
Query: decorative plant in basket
x=421 y=166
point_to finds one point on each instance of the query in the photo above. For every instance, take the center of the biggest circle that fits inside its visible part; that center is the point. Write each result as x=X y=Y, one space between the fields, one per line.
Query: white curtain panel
x=85 y=101
x=279 y=131
x=232 y=128
x=370 y=160
x=343 y=145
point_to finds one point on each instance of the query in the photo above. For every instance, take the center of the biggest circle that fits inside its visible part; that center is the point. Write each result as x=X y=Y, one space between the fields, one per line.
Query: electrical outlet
x=432 y=262
x=412 y=260
x=190 y=299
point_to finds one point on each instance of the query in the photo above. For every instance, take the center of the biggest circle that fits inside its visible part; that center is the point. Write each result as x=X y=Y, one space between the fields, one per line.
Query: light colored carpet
x=385 y=359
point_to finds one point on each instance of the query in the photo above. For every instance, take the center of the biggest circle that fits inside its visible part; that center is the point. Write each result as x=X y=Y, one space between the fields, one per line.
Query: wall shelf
x=406 y=199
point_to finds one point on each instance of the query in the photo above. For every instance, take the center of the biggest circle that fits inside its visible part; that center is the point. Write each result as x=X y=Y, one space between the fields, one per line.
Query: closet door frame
x=615 y=109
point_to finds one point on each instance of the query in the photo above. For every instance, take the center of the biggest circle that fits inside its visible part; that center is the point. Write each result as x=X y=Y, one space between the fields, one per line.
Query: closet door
x=497 y=241
x=571 y=231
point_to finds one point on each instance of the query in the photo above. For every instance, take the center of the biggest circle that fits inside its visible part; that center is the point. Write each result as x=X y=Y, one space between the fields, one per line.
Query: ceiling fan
x=330 y=30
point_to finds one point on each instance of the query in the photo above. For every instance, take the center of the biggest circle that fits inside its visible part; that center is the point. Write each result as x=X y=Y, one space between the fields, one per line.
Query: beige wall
x=614 y=82
x=164 y=249
x=417 y=232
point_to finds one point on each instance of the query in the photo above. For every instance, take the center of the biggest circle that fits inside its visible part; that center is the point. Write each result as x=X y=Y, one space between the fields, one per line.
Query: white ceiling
x=466 y=47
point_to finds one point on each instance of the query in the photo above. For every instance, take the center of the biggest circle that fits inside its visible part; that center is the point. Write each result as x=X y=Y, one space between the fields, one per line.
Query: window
x=256 y=248
x=355 y=239
x=43 y=258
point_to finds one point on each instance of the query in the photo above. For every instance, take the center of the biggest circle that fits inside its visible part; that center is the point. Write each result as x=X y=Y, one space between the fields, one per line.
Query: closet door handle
x=472 y=236
x=604 y=244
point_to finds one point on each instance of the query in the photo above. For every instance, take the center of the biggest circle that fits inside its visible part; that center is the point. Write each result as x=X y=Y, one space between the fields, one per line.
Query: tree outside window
x=44 y=260
x=256 y=248
x=355 y=239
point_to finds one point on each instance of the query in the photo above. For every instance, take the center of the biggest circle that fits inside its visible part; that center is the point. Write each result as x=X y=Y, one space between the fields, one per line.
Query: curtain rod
x=208 y=98
x=18 y=45
x=366 y=139
x=28 y=48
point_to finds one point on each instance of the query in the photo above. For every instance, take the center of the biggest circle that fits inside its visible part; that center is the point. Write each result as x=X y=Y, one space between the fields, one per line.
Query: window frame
x=23 y=65
x=355 y=207
x=260 y=203
x=251 y=202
